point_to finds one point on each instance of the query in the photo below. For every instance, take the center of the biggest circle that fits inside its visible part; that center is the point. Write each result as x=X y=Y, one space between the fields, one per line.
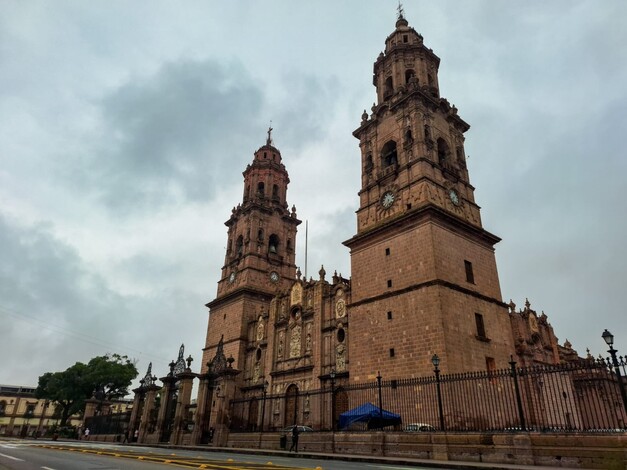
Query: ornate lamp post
x=609 y=340
x=263 y=405
x=435 y=360
x=332 y=375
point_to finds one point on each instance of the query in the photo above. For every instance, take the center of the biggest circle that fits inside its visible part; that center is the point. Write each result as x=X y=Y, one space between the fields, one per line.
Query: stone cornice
x=413 y=217
x=423 y=285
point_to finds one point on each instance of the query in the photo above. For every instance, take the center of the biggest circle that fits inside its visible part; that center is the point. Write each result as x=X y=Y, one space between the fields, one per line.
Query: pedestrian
x=86 y=434
x=136 y=435
x=211 y=431
x=294 y=439
x=126 y=435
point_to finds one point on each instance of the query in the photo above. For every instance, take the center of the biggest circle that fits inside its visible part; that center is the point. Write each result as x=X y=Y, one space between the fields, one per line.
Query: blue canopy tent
x=371 y=415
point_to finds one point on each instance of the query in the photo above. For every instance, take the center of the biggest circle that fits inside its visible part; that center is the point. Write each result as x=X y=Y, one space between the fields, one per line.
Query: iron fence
x=116 y=423
x=584 y=396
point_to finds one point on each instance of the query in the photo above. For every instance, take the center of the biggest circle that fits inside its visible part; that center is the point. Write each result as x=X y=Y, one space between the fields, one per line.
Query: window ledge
x=483 y=338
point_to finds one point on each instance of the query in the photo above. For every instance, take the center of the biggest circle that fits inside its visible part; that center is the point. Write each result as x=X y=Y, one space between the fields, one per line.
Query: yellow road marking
x=189 y=462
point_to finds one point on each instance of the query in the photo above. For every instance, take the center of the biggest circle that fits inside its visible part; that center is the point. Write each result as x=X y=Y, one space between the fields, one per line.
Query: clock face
x=232 y=277
x=388 y=199
x=452 y=194
x=274 y=276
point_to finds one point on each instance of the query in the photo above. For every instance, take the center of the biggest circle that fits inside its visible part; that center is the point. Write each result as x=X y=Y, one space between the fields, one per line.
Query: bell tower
x=260 y=254
x=424 y=276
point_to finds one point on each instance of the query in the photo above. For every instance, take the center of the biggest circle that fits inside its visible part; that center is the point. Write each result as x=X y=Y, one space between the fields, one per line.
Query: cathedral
x=424 y=279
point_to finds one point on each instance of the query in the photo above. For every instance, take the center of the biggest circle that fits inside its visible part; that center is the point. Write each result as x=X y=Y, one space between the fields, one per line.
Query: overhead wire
x=75 y=334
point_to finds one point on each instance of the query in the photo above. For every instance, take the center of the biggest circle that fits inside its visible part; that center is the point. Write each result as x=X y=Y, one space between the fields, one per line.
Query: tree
x=106 y=376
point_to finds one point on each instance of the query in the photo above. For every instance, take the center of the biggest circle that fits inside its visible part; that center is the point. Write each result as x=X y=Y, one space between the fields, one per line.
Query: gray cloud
x=176 y=136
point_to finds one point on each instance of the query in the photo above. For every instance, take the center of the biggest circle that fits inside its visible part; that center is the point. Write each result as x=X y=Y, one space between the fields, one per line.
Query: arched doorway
x=291 y=405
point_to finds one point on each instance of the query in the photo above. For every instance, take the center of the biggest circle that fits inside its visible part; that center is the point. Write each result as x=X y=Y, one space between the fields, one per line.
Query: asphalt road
x=49 y=455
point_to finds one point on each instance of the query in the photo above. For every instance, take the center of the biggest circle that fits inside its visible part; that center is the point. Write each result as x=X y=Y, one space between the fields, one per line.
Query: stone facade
x=424 y=275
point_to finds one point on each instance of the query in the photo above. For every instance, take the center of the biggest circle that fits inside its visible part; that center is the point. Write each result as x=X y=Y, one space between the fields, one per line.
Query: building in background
x=24 y=415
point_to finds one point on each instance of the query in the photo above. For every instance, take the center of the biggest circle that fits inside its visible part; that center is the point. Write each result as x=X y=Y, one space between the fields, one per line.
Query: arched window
x=443 y=152
x=260 y=235
x=408 y=137
x=409 y=73
x=427 y=132
x=239 y=246
x=247 y=193
x=275 y=192
x=388 y=154
x=460 y=154
x=369 y=164
x=291 y=405
x=388 y=89
x=261 y=189
x=289 y=245
x=273 y=244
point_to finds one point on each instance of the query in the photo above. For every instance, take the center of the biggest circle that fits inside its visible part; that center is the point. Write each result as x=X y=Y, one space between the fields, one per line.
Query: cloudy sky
x=125 y=126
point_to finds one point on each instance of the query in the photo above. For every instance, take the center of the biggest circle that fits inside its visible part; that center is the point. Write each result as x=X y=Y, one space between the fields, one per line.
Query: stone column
x=138 y=401
x=203 y=406
x=186 y=381
x=90 y=409
x=221 y=417
x=149 y=404
x=168 y=382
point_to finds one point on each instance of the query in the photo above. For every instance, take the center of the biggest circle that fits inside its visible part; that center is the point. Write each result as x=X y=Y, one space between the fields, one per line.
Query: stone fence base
x=606 y=451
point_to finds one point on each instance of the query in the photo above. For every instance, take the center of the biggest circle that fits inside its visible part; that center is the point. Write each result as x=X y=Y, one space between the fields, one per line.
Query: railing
x=582 y=397
x=108 y=424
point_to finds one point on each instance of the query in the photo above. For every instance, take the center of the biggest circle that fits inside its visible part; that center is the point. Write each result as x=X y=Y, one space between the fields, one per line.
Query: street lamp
x=609 y=340
x=263 y=405
x=435 y=360
x=332 y=375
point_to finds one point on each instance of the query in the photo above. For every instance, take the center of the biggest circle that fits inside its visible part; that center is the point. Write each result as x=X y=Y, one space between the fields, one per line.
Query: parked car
x=300 y=429
x=419 y=427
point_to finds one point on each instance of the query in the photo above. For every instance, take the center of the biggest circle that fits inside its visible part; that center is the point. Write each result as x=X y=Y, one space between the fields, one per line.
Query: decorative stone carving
x=279 y=351
x=260 y=328
x=295 y=342
x=340 y=358
x=340 y=308
x=297 y=294
x=308 y=338
x=306 y=405
x=256 y=373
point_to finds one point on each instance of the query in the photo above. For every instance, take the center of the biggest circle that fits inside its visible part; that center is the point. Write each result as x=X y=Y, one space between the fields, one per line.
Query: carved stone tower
x=424 y=276
x=260 y=255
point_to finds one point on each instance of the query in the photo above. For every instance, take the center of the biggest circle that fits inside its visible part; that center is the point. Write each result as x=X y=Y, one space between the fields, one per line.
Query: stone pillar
x=90 y=409
x=138 y=401
x=203 y=407
x=149 y=404
x=186 y=381
x=221 y=418
x=168 y=382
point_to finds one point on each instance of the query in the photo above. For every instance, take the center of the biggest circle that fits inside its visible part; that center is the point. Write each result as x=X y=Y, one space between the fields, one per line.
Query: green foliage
x=106 y=376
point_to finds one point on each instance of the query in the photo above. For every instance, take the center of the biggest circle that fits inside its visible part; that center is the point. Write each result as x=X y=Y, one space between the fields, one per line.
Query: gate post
x=186 y=379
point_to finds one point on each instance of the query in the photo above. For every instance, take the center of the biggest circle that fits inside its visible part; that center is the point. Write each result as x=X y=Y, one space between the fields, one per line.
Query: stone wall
x=606 y=451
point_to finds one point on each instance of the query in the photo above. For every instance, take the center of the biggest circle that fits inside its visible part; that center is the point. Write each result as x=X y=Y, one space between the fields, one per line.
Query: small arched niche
x=389 y=156
x=273 y=244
